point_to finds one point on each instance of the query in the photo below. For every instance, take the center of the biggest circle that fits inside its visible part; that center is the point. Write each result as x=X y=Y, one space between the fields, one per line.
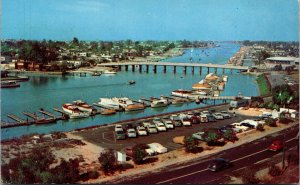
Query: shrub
x=248 y=177
x=125 y=166
x=229 y=135
x=285 y=120
x=271 y=122
x=274 y=171
x=191 y=145
x=260 y=127
x=89 y=175
x=139 y=153
x=108 y=161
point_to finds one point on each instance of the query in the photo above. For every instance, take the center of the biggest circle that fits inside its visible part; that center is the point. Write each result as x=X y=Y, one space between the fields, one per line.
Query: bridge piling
x=120 y=68
x=207 y=70
x=184 y=69
x=126 y=67
x=140 y=68
x=174 y=69
x=147 y=68
x=165 y=69
x=193 y=69
x=200 y=70
x=133 y=68
x=223 y=70
x=154 y=68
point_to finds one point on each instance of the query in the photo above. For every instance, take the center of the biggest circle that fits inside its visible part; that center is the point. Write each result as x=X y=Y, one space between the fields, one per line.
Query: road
x=196 y=172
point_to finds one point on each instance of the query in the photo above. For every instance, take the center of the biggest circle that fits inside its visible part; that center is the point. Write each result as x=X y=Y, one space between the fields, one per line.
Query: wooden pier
x=14 y=117
x=48 y=114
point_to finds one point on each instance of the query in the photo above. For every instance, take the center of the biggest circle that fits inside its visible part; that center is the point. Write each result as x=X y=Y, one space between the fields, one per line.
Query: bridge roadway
x=180 y=64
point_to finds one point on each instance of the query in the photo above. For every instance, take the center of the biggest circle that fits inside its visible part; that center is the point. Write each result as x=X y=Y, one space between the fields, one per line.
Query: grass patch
x=264 y=88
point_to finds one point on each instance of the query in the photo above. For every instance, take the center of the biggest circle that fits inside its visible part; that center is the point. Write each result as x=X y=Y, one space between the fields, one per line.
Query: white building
x=284 y=61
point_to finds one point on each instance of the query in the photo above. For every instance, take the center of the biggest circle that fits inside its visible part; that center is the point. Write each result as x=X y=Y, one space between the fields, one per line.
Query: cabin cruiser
x=83 y=106
x=73 y=111
x=108 y=103
x=159 y=103
x=225 y=78
x=185 y=93
x=128 y=105
x=109 y=72
x=9 y=84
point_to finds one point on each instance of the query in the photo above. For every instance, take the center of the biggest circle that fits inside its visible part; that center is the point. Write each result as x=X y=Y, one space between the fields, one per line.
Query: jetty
x=16 y=118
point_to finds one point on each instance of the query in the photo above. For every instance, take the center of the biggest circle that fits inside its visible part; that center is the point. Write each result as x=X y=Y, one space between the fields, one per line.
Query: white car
x=160 y=127
x=225 y=114
x=218 y=116
x=174 y=117
x=251 y=122
x=156 y=120
x=186 y=121
x=151 y=129
x=240 y=127
x=118 y=127
x=198 y=135
x=157 y=148
x=131 y=133
x=189 y=114
x=141 y=131
x=168 y=123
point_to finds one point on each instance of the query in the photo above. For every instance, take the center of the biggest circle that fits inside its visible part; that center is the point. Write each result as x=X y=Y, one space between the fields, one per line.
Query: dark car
x=130 y=125
x=195 y=120
x=211 y=118
x=247 y=125
x=219 y=164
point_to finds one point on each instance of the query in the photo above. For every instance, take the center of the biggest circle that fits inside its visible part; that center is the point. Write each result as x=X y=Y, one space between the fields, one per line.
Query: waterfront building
x=283 y=61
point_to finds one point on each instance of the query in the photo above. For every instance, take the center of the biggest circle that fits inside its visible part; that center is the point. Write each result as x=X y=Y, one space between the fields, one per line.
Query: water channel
x=52 y=91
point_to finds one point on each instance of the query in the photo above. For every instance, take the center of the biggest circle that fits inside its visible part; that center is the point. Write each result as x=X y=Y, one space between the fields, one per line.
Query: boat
x=45 y=121
x=131 y=82
x=128 y=104
x=73 y=111
x=108 y=103
x=225 y=78
x=177 y=101
x=185 y=93
x=159 y=103
x=221 y=86
x=108 y=112
x=109 y=72
x=203 y=86
x=96 y=73
x=9 y=84
x=83 y=106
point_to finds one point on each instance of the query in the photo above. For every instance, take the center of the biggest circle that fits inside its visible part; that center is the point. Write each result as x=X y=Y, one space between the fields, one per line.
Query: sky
x=218 y=20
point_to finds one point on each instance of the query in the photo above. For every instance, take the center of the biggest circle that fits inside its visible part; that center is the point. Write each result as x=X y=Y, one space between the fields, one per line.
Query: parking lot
x=105 y=136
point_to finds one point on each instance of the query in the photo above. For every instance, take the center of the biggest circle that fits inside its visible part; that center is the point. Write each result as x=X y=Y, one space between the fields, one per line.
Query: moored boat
x=159 y=103
x=96 y=73
x=128 y=104
x=185 y=93
x=108 y=103
x=225 y=78
x=9 y=84
x=131 y=82
x=73 y=111
x=109 y=72
x=108 y=112
x=83 y=106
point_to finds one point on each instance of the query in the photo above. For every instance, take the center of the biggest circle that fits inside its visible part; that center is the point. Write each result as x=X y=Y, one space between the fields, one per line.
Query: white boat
x=128 y=104
x=225 y=78
x=159 y=103
x=83 y=106
x=185 y=94
x=109 y=72
x=73 y=111
x=108 y=103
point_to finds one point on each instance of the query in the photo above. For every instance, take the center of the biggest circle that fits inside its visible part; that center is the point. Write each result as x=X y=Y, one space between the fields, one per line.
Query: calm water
x=52 y=91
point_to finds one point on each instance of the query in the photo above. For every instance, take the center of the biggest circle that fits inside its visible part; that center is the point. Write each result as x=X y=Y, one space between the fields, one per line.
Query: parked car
x=186 y=121
x=146 y=124
x=218 y=116
x=247 y=125
x=190 y=114
x=225 y=114
x=203 y=118
x=168 y=123
x=141 y=131
x=211 y=118
x=160 y=127
x=131 y=133
x=219 y=164
x=198 y=135
x=174 y=117
x=276 y=145
x=156 y=120
x=177 y=123
x=206 y=112
x=158 y=148
x=129 y=126
x=151 y=129
x=195 y=120
x=120 y=134
x=239 y=127
x=118 y=127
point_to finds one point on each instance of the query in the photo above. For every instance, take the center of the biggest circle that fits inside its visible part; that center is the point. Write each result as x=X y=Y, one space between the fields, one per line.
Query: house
x=285 y=62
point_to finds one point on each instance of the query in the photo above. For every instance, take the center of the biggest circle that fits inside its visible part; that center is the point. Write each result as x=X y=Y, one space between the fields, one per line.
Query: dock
x=64 y=116
x=47 y=113
x=16 y=118
x=31 y=115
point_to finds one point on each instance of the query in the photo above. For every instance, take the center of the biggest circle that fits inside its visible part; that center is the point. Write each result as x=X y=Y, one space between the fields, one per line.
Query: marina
x=69 y=88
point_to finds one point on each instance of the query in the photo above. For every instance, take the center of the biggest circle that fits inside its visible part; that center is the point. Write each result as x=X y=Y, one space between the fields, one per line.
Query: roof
x=282 y=58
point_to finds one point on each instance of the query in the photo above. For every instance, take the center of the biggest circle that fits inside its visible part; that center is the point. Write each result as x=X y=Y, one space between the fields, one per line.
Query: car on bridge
x=277 y=145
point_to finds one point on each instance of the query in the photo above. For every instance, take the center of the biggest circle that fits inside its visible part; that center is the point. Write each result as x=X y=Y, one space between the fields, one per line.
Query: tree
x=211 y=136
x=108 y=161
x=191 y=144
x=271 y=122
x=67 y=171
x=139 y=153
x=75 y=41
x=229 y=135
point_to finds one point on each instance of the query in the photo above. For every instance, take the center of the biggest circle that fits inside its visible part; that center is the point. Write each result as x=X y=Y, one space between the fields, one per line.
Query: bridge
x=154 y=65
